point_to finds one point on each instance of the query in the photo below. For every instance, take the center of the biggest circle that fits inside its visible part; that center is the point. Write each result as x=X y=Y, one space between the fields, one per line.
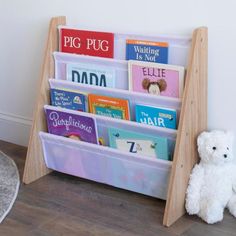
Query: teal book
x=141 y=144
x=157 y=116
x=103 y=111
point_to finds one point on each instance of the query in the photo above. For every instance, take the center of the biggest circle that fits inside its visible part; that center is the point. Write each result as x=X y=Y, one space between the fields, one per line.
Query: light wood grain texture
x=193 y=120
x=35 y=166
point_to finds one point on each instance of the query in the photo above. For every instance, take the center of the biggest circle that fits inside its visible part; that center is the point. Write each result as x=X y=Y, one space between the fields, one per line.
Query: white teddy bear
x=212 y=184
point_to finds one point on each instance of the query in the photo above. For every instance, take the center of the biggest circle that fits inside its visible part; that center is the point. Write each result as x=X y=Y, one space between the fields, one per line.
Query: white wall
x=24 y=26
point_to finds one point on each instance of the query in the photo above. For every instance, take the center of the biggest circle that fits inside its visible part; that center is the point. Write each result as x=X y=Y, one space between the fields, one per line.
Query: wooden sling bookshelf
x=192 y=121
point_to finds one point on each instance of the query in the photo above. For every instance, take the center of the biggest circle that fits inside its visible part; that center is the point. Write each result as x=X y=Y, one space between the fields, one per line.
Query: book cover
x=69 y=99
x=134 y=142
x=157 y=116
x=156 y=79
x=92 y=43
x=90 y=74
x=109 y=106
x=171 y=148
x=75 y=126
x=142 y=50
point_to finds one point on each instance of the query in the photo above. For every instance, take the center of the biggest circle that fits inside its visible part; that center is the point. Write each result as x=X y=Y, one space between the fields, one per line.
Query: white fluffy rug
x=9 y=184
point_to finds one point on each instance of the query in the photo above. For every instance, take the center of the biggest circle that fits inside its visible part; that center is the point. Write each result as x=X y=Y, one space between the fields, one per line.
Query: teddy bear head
x=215 y=147
x=154 y=87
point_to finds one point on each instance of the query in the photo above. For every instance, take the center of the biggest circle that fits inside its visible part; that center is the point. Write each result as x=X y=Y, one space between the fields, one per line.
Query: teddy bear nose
x=225 y=155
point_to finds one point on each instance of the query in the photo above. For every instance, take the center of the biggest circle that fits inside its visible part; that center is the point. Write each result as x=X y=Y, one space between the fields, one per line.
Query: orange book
x=109 y=106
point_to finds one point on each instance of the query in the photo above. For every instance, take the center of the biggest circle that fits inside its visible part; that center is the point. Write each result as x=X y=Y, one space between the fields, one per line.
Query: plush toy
x=212 y=184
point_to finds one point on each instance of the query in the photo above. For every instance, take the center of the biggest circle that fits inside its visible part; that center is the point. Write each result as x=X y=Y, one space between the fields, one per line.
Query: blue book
x=69 y=99
x=141 y=50
x=162 y=117
x=142 y=144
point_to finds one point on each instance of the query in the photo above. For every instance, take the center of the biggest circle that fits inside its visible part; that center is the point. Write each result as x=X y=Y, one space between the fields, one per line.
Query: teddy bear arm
x=234 y=185
x=232 y=174
x=196 y=179
x=194 y=189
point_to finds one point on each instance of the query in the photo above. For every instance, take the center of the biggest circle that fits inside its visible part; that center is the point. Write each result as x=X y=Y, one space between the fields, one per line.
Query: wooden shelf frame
x=193 y=120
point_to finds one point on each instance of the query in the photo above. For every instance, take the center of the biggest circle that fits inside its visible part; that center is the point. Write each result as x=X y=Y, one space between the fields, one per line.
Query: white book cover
x=91 y=74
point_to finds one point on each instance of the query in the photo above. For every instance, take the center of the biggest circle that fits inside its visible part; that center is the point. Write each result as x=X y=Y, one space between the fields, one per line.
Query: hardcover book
x=91 y=74
x=69 y=99
x=147 y=51
x=157 y=116
x=75 y=126
x=92 y=43
x=145 y=145
x=156 y=79
x=109 y=106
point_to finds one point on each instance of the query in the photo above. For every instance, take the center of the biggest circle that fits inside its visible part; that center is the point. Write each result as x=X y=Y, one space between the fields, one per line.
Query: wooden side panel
x=35 y=166
x=193 y=120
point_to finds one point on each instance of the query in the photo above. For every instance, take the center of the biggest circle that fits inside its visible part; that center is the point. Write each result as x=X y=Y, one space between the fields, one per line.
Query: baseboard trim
x=15 y=128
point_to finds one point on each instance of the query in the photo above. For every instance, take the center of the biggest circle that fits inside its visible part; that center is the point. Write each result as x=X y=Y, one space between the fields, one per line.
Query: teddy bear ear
x=202 y=138
x=145 y=83
x=162 y=84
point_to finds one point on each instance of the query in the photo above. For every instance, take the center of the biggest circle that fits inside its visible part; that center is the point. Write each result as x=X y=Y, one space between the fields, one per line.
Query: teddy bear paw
x=232 y=208
x=192 y=207
x=233 y=211
x=212 y=216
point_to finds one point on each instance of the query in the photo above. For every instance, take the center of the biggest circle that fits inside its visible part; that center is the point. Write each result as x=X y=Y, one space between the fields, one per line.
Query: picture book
x=91 y=74
x=156 y=79
x=142 y=50
x=92 y=43
x=157 y=116
x=76 y=126
x=69 y=99
x=109 y=106
x=142 y=144
x=171 y=148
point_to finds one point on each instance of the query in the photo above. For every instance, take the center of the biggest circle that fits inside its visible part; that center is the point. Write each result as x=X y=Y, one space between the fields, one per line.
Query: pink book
x=156 y=79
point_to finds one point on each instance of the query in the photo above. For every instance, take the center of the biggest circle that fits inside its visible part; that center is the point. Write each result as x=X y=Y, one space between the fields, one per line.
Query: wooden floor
x=59 y=204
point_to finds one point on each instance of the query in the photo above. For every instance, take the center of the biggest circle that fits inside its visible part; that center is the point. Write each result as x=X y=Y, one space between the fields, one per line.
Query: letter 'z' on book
x=139 y=143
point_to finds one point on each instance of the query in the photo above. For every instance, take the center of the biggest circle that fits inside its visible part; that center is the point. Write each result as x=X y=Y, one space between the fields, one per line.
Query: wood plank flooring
x=60 y=204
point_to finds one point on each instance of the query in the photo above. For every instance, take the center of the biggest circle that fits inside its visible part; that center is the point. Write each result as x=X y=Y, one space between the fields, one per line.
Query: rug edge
x=17 y=188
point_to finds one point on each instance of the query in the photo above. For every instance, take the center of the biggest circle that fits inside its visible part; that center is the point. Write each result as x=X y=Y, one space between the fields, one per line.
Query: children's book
x=76 y=126
x=92 y=43
x=157 y=116
x=91 y=74
x=156 y=79
x=109 y=106
x=69 y=99
x=142 y=50
x=142 y=144
x=171 y=148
